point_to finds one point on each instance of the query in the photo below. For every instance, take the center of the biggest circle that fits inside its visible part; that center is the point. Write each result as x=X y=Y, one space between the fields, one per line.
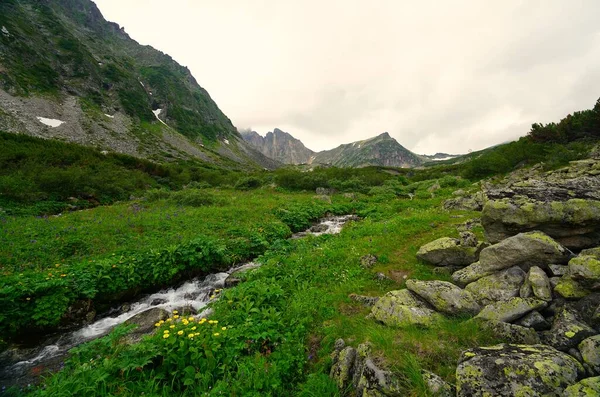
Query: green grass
x=283 y=319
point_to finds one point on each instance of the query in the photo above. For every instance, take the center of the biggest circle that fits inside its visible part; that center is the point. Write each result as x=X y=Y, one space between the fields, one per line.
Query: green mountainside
x=61 y=60
x=382 y=150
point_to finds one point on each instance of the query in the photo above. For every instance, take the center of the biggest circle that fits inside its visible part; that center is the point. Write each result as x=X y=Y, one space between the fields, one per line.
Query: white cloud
x=438 y=76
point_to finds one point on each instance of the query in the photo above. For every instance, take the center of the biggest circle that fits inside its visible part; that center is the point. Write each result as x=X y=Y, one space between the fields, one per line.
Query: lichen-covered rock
x=595 y=252
x=468 y=239
x=574 y=223
x=342 y=370
x=558 y=270
x=403 y=297
x=534 y=320
x=511 y=309
x=511 y=333
x=447 y=251
x=525 y=250
x=471 y=273
x=567 y=331
x=540 y=284
x=590 y=352
x=585 y=269
x=515 y=370
x=587 y=309
x=589 y=387
x=570 y=289
x=398 y=315
x=445 y=297
x=377 y=382
x=469 y=203
x=368 y=261
x=364 y=300
x=498 y=286
x=438 y=386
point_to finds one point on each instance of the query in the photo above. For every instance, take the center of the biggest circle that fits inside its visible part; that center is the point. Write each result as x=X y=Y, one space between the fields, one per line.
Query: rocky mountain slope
x=382 y=150
x=66 y=73
x=280 y=146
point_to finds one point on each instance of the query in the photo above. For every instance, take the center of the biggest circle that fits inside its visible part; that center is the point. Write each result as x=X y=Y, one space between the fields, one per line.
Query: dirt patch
x=399 y=276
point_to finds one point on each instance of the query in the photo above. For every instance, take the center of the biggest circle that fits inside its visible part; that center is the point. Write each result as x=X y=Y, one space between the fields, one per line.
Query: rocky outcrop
x=465 y=202
x=590 y=352
x=516 y=370
x=357 y=369
x=280 y=146
x=498 y=286
x=510 y=309
x=589 y=387
x=565 y=204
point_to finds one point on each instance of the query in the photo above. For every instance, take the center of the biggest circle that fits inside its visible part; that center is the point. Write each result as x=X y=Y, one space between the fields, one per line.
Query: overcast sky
x=438 y=76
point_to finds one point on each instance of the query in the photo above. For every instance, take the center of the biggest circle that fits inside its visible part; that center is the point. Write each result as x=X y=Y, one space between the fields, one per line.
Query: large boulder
x=523 y=250
x=511 y=309
x=590 y=351
x=445 y=297
x=447 y=251
x=534 y=320
x=472 y=202
x=515 y=370
x=589 y=387
x=438 y=386
x=567 y=331
x=575 y=223
x=498 y=286
x=401 y=309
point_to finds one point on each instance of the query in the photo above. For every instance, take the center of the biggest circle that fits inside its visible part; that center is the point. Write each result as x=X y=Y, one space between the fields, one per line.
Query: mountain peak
x=384 y=135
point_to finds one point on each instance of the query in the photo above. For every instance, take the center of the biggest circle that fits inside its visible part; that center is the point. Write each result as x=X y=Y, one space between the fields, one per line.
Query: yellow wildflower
x=223 y=328
x=157 y=325
x=191 y=336
x=169 y=320
x=190 y=318
x=179 y=332
x=166 y=331
x=171 y=326
x=176 y=317
x=193 y=328
x=216 y=334
x=165 y=336
x=175 y=312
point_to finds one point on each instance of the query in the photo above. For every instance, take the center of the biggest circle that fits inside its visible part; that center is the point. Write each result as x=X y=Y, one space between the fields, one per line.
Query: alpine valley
x=148 y=248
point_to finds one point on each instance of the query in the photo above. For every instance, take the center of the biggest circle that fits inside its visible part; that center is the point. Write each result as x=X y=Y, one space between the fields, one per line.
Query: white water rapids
x=17 y=363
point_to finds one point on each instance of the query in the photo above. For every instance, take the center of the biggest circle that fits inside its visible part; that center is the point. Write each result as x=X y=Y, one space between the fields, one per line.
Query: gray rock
x=145 y=322
x=468 y=239
x=437 y=386
x=525 y=250
x=365 y=300
x=515 y=370
x=498 y=286
x=445 y=297
x=447 y=251
x=511 y=309
x=558 y=270
x=342 y=370
x=470 y=203
x=526 y=291
x=368 y=261
x=376 y=382
x=595 y=252
x=540 y=284
x=587 y=309
x=567 y=331
x=585 y=269
x=470 y=274
x=511 y=333
x=534 y=320
x=554 y=282
x=569 y=288
x=589 y=387
x=590 y=352
x=403 y=308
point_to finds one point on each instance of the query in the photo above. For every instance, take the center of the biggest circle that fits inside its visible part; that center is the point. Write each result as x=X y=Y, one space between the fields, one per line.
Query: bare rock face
x=565 y=204
x=448 y=251
x=280 y=146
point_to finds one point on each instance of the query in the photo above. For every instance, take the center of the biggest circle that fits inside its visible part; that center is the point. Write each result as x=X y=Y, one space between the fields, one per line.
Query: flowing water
x=20 y=365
